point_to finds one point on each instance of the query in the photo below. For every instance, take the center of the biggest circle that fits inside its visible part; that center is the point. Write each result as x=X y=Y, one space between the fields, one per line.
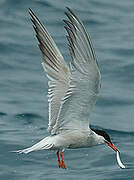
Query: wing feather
x=84 y=86
x=55 y=68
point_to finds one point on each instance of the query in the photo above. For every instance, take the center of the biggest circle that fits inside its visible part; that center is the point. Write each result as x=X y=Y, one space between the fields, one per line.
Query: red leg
x=59 y=163
x=62 y=161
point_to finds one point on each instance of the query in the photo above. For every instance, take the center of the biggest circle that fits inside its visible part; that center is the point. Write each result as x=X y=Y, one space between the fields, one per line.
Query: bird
x=72 y=90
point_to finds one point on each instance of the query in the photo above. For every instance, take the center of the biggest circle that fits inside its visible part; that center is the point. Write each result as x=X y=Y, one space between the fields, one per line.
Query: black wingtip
x=66 y=21
x=68 y=10
x=33 y=16
x=30 y=11
x=67 y=7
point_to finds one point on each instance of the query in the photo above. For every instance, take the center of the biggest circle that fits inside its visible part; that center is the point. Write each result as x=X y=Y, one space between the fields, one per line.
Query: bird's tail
x=43 y=144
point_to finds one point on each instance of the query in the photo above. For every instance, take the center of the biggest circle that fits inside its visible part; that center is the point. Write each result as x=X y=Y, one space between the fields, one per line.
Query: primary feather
x=55 y=68
x=84 y=86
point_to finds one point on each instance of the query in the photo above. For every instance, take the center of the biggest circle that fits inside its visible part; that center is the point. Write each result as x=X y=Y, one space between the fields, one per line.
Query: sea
x=24 y=85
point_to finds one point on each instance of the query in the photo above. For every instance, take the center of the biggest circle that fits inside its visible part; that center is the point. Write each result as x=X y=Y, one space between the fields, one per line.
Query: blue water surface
x=23 y=89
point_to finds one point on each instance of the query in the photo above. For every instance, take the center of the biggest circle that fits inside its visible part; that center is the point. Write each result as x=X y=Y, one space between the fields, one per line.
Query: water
x=23 y=89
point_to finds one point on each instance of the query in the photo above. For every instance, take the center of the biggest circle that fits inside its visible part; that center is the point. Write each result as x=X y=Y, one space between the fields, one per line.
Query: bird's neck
x=98 y=138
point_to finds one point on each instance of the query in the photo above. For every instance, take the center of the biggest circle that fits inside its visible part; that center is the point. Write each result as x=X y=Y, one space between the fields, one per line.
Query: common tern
x=73 y=90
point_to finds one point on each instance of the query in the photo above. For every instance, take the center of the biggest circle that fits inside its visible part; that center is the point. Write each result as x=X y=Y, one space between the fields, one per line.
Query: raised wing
x=55 y=68
x=85 y=78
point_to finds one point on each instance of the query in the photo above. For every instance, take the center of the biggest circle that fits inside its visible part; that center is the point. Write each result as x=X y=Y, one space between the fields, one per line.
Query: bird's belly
x=73 y=140
x=82 y=143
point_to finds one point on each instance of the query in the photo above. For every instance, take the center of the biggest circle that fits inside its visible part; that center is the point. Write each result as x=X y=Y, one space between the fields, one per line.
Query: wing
x=85 y=78
x=55 y=68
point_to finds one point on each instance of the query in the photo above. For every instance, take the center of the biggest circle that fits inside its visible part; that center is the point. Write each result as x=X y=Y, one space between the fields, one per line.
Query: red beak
x=112 y=146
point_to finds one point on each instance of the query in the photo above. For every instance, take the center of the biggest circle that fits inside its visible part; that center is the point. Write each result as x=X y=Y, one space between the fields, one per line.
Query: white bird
x=72 y=92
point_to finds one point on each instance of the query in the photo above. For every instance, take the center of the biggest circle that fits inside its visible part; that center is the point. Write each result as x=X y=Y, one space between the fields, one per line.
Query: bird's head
x=107 y=139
